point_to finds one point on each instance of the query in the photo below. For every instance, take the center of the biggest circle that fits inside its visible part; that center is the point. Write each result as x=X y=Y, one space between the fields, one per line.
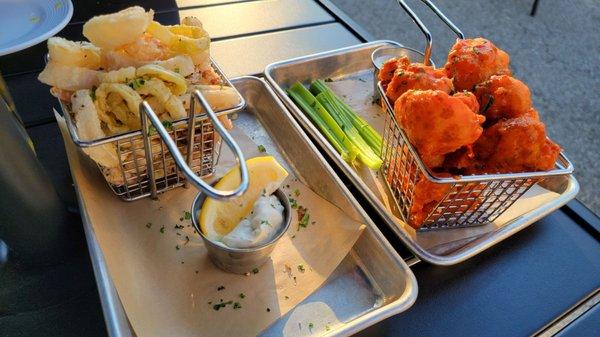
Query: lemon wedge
x=219 y=217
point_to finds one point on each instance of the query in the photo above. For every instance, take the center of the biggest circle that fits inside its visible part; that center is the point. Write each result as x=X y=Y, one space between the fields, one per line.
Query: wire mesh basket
x=464 y=201
x=146 y=166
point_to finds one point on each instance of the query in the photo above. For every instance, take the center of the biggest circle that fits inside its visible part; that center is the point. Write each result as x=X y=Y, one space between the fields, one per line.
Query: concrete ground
x=557 y=53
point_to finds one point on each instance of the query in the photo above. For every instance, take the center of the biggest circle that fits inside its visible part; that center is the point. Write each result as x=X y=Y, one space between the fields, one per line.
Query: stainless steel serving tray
x=371 y=283
x=355 y=62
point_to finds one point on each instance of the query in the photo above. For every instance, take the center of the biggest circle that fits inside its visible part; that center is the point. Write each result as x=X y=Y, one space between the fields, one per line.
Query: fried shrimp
x=417 y=76
x=503 y=97
x=437 y=123
x=115 y=30
x=472 y=61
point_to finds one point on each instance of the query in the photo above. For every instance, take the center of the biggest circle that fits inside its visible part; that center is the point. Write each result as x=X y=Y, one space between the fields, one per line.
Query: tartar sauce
x=259 y=226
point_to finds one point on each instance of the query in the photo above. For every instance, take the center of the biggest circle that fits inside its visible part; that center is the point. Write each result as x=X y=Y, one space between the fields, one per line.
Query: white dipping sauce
x=259 y=226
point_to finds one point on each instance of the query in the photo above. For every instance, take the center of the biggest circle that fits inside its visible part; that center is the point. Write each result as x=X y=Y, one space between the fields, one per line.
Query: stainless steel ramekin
x=241 y=260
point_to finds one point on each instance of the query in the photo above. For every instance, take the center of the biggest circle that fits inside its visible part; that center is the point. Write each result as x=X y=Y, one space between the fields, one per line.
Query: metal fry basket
x=467 y=200
x=464 y=201
x=146 y=165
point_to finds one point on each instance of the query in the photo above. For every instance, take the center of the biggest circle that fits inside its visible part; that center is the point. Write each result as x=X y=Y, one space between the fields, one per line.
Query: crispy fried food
x=89 y=128
x=118 y=106
x=174 y=81
x=389 y=68
x=68 y=77
x=437 y=123
x=472 y=61
x=417 y=76
x=115 y=30
x=503 y=96
x=158 y=89
x=426 y=196
x=181 y=64
x=219 y=97
x=516 y=145
x=182 y=39
x=74 y=54
x=122 y=75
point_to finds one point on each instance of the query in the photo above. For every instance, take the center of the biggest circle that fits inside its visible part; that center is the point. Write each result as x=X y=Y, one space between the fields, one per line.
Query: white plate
x=25 y=23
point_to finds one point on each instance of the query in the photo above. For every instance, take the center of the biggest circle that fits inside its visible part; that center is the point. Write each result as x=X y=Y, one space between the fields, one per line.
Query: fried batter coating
x=426 y=196
x=516 y=145
x=437 y=123
x=503 y=96
x=416 y=76
x=472 y=61
x=389 y=68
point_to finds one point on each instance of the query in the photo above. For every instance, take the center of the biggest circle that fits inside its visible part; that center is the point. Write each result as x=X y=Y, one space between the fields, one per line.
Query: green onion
x=323 y=120
x=365 y=153
x=368 y=133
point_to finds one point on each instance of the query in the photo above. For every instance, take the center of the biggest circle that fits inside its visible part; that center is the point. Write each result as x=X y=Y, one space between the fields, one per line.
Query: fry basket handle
x=423 y=28
x=146 y=113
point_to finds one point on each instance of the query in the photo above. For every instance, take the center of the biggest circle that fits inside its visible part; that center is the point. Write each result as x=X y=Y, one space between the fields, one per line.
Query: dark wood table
x=542 y=279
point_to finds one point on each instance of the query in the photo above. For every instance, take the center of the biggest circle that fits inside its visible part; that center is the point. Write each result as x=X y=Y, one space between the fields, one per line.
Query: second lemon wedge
x=217 y=218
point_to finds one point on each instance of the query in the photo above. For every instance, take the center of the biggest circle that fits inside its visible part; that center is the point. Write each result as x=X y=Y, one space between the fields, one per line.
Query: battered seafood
x=406 y=76
x=131 y=58
x=472 y=61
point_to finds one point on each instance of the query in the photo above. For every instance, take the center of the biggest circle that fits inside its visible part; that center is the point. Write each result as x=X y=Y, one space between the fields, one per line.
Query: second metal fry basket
x=146 y=167
x=466 y=200
x=463 y=201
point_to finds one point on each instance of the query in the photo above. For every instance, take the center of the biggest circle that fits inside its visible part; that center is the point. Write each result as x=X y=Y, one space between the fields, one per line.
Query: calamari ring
x=118 y=106
x=174 y=81
x=122 y=75
x=158 y=89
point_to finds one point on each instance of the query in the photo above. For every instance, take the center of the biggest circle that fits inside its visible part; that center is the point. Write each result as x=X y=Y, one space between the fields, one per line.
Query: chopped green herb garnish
x=136 y=83
x=236 y=305
x=162 y=229
x=310 y=327
x=149 y=224
x=177 y=70
x=262 y=149
x=296 y=192
x=93 y=93
x=188 y=215
x=304 y=222
x=167 y=124
x=216 y=307
x=293 y=203
x=301 y=268
x=242 y=295
x=255 y=271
